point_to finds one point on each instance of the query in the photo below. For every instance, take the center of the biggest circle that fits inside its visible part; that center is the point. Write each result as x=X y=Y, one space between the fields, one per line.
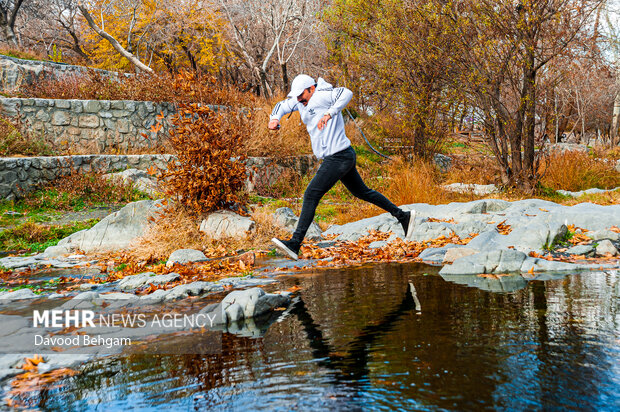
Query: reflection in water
x=388 y=337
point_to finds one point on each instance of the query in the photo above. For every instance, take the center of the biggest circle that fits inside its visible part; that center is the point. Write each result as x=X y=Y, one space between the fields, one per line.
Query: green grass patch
x=35 y=237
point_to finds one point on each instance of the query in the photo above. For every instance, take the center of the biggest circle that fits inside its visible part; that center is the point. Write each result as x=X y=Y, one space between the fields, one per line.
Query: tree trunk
x=284 y=76
x=613 y=133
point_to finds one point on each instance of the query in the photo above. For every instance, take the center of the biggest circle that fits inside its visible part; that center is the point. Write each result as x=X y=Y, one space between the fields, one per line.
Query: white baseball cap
x=300 y=83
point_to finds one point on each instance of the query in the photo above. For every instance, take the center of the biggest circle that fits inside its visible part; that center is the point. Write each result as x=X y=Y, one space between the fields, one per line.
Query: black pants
x=339 y=166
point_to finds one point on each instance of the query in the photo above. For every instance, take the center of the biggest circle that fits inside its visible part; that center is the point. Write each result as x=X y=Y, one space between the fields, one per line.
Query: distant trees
x=492 y=54
x=262 y=32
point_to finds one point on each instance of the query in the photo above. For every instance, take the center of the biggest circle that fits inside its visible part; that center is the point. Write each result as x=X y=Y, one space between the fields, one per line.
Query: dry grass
x=291 y=139
x=177 y=229
x=14 y=142
x=576 y=171
x=473 y=170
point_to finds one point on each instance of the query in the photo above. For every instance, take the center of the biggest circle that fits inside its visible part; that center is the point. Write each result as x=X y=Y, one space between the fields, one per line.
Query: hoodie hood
x=321 y=84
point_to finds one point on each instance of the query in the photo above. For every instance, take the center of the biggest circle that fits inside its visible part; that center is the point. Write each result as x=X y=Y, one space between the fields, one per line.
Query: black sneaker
x=289 y=247
x=408 y=224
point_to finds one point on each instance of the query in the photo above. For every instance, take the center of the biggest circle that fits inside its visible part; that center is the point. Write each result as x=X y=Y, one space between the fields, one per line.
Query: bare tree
x=612 y=20
x=262 y=29
x=52 y=23
x=8 y=16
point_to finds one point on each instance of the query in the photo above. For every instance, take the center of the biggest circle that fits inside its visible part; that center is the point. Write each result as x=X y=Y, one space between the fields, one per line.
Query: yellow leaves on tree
x=166 y=35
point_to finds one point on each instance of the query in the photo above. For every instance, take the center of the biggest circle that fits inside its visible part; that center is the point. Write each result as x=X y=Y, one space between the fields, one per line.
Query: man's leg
x=354 y=183
x=332 y=169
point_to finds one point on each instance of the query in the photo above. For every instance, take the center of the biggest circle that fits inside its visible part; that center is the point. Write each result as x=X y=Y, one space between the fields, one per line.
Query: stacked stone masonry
x=18 y=176
x=90 y=126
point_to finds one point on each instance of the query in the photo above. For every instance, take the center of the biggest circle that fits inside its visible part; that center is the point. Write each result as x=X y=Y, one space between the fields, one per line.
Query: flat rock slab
x=142 y=279
x=42 y=260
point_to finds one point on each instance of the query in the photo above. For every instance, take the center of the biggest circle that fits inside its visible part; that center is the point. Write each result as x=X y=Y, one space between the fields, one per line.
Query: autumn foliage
x=208 y=174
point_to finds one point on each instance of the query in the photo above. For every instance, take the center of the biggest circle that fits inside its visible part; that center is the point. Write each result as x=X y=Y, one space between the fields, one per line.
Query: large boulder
x=116 y=231
x=285 y=218
x=225 y=223
x=249 y=303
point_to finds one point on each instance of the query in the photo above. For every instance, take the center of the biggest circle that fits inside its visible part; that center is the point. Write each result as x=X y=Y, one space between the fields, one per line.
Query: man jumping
x=320 y=105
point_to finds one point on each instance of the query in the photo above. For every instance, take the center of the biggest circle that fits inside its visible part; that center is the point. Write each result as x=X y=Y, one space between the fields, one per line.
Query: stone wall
x=17 y=73
x=89 y=126
x=21 y=175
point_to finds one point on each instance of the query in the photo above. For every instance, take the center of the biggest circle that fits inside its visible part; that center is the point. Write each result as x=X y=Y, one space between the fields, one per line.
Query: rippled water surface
x=389 y=337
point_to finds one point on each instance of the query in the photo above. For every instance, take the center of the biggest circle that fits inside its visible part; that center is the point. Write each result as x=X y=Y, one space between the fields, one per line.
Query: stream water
x=388 y=337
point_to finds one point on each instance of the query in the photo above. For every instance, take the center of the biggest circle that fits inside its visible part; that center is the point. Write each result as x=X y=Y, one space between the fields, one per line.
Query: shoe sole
x=284 y=249
x=410 y=227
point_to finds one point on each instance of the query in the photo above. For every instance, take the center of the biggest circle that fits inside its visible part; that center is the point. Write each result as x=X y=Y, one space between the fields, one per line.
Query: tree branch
x=117 y=46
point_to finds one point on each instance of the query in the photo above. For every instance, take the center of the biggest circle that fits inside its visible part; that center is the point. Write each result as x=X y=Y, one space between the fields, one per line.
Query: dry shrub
x=291 y=139
x=14 y=142
x=208 y=174
x=473 y=170
x=576 y=171
x=183 y=87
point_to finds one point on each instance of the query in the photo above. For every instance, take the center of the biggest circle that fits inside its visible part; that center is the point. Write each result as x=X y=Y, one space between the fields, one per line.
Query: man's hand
x=274 y=124
x=323 y=121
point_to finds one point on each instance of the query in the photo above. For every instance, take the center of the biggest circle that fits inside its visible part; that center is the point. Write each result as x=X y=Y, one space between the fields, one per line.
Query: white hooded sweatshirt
x=326 y=99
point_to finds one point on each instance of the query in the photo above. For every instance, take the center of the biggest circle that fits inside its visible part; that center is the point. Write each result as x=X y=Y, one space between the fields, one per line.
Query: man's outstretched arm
x=282 y=108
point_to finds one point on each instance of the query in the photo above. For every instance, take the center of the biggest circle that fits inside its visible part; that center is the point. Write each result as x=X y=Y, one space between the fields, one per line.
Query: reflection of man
x=320 y=105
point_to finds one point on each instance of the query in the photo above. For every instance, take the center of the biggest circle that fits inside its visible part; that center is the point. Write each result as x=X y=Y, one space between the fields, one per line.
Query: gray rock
x=286 y=219
x=269 y=302
x=495 y=261
x=116 y=296
x=116 y=231
x=606 y=247
x=478 y=190
x=224 y=223
x=603 y=234
x=580 y=250
x=85 y=287
x=156 y=297
x=139 y=178
x=14 y=262
x=568 y=147
x=57 y=251
x=443 y=162
x=18 y=295
x=234 y=312
x=142 y=279
x=183 y=256
x=500 y=284
x=377 y=244
x=246 y=299
x=543 y=265
x=456 y=253
x=191 y=289
x=250 y=303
